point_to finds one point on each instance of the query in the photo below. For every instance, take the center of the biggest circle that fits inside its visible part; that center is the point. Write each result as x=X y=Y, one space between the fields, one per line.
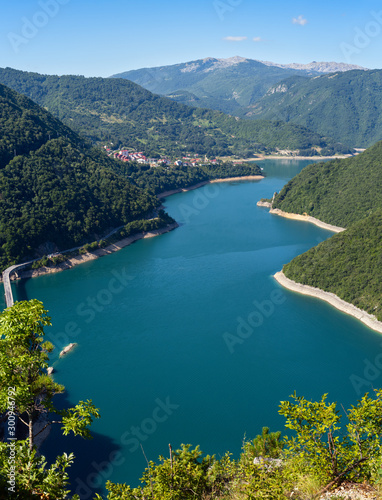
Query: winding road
x=7 y=273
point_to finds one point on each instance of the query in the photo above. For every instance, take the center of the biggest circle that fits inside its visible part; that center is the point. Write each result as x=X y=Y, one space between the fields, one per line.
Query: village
x=127 y=155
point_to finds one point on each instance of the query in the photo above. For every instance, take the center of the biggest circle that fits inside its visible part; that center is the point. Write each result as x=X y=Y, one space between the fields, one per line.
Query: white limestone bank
x=306 y=218
x=366 y=318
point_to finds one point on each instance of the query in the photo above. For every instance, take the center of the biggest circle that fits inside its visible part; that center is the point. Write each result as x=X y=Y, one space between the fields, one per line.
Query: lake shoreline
x=115 y=247
x=204 y=183
x=277 y=157
x=81 y=259
x=340 y=304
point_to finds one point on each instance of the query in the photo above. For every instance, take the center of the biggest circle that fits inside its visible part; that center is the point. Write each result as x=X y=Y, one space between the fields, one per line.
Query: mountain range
x=223 y=84
x=336 y=100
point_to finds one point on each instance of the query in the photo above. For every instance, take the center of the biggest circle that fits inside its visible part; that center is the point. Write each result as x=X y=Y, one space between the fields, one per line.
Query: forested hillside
x=338 y=192
x=56 y=192
x=346 y=106
x=116 y=110
x=345 y=193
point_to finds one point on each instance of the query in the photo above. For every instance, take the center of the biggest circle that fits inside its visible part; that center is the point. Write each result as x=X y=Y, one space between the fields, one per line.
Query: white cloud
x=299 y=20
x=257 y=39
x=235 y=38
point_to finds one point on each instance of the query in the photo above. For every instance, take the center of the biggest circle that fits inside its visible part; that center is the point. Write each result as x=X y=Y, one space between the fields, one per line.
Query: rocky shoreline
x=304 y=218
x=266 y=204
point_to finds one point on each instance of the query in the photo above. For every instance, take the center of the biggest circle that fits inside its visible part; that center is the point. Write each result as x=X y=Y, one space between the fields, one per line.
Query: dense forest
x=61 y=196
x=348 y=264
x=119 y=111
x=345 y=106
x=25 y=127
x=56 y=192
x=338 y=192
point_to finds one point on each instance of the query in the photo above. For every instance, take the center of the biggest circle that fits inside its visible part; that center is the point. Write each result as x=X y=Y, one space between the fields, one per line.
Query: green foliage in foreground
x=266 y=444
x=26 y=394
x=321 y=455
x=34 y=477
x=338 y=192
x=348 y=264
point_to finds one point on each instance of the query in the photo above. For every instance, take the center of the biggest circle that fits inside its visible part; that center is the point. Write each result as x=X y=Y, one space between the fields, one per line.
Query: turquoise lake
x=187 y=338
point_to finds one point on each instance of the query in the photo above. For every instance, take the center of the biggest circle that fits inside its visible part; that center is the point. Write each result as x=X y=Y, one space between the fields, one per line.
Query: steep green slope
x=346 y=106
x=107 y=109
x=59 y=192
x=25 y=126
x=222 y=84
x=349 y=264
x=338 y=192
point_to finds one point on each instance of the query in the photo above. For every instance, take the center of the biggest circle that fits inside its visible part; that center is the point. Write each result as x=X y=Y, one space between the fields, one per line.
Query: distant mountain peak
x=320 y=67
x=234 y=60
x=226 y=63
x=211 y=64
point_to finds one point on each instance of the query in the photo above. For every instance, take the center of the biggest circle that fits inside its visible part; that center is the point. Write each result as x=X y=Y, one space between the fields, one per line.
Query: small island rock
x=66 y=349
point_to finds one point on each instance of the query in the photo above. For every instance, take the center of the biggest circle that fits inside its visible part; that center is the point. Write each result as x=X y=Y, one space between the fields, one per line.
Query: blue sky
x=99 y=38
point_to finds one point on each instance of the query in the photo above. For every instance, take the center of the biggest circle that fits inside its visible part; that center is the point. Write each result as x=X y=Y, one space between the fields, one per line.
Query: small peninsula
x=340 y=194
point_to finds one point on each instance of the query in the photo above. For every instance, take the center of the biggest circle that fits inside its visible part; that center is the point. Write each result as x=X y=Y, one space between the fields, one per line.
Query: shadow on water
x=95 y=459
x=20 y=287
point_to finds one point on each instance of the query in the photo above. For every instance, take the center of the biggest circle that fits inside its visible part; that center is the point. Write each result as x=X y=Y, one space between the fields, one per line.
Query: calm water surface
x=187 y=338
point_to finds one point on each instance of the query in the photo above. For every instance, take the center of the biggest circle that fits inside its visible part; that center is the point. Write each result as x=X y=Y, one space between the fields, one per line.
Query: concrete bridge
x=7 y=282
